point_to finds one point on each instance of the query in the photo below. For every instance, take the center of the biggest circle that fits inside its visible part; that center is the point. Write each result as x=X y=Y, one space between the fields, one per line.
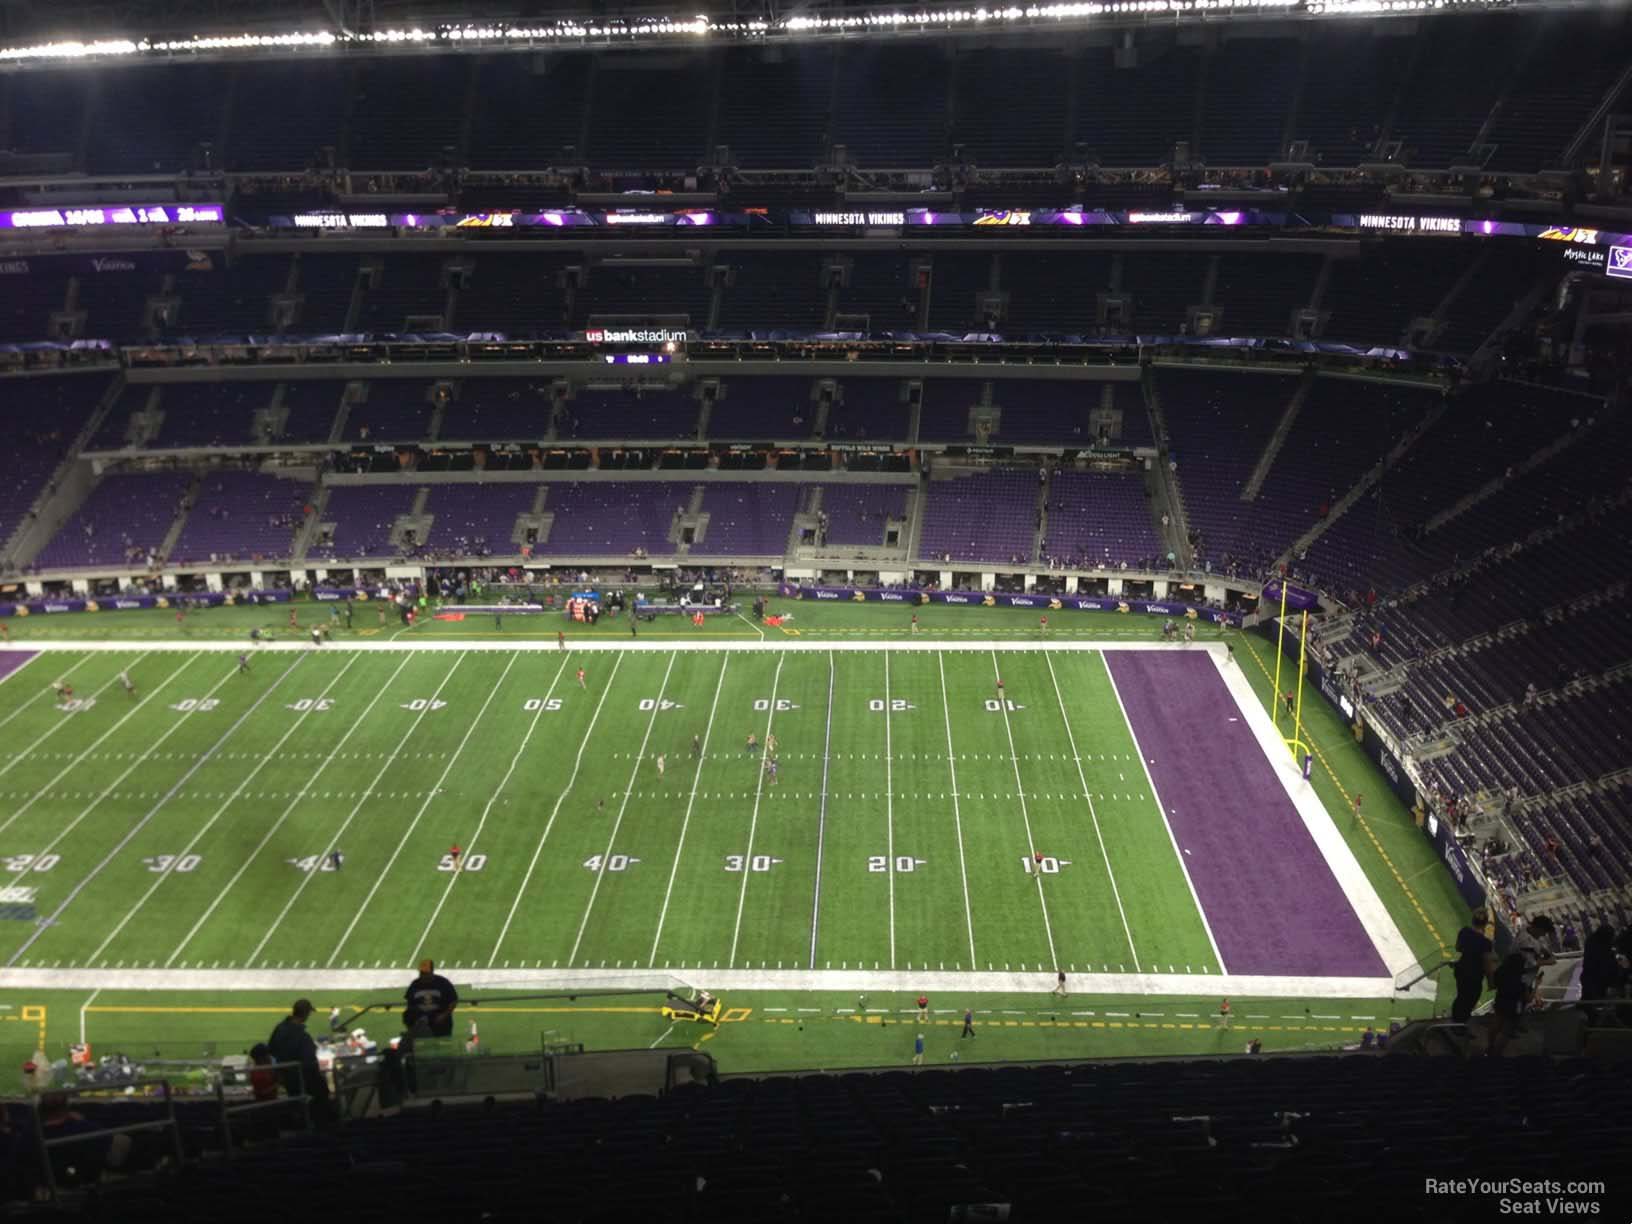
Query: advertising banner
x=999 y=599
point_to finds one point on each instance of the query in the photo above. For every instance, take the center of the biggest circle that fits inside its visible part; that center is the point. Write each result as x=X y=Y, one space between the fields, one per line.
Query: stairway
x=1294 y=405
x=1165 y=487
x=1041 y=533
x=1484 y=491
x=188 y=499
x=1362 y=486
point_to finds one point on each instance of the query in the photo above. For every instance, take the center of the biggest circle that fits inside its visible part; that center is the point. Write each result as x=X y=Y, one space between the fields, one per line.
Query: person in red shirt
x=455 y=853
x=294 y=619
x=923 y=1007
x=581 y=683
x=1042 y=624
x=1224 y=1014
x=263 y=1081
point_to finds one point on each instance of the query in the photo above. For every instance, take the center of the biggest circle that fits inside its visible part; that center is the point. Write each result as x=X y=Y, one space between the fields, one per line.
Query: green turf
x=186 y=827
x=767 y=1031
x=123 y=789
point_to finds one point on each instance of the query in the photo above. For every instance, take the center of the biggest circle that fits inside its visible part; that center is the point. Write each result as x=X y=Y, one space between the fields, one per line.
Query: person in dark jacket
x=1473 y=967
x=291 y=1043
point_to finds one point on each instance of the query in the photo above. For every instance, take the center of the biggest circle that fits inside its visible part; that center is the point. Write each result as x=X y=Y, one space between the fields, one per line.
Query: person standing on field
x=968 y=1023
x=918 y=1051
x=1059 y=984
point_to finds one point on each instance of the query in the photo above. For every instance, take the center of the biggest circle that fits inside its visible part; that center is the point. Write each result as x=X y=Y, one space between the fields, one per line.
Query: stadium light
x=576 y=30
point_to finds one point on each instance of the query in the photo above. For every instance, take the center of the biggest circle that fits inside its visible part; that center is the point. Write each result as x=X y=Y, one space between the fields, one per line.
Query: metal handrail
x=47 y=1144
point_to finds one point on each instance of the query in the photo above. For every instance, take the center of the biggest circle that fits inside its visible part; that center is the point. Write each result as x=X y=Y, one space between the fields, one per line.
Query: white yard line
x=821 y=817
x=153 y=811
x=32 y=656
x=556 y=810
x=957 y=815
x=277 y=824
x=69 y=768
x=851 y=982
x=1025 y=815
x=357 y=807
x=1092 y=815
x=889 y=807
x=83 y=1008
x=430 y=798
x=661 y=1039
x=498 y=790
x=617 y=823
x=63 y=722
x=38 y=694
x=674 y=868
x=753 y=822
x=745 y=621
x=1161 y=810
x=219 y=811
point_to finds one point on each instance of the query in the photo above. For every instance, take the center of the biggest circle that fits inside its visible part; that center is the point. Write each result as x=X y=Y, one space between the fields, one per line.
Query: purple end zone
x=1272 y=902
x=11 y=660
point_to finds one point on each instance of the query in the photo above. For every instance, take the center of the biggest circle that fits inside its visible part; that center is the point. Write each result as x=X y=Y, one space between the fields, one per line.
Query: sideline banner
x=999 y=599
x=175 y=599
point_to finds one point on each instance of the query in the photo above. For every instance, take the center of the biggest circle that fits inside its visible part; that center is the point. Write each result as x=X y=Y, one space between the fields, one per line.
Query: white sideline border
x=615 y=645
x=1203 y=985
x=1374 y=917
x=1340 y=860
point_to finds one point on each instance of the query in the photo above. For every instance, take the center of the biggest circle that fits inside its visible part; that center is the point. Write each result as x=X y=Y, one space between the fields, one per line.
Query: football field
x=844 y=815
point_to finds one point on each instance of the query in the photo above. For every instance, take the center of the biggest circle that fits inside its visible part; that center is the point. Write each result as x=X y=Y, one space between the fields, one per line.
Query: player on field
x=1000 y=688
x=5 y=633
x=181 y=614
x=660 y=764
x=770 y=744
x=456 y=854
x=1042 y=625
x=294 y=619
x=581 y=683
x=64 y=691
x=124 y=682
x=915 y=624
x=696 y=747
x=243 y=664
x=770 y=769
x=753 y=743
x=560 y=640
